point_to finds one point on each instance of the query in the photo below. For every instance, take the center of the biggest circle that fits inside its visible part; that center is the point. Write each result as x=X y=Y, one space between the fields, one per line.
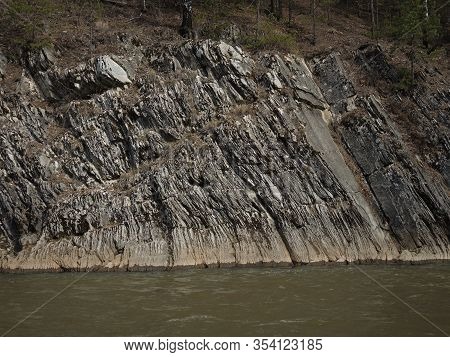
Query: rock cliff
x=202 y=155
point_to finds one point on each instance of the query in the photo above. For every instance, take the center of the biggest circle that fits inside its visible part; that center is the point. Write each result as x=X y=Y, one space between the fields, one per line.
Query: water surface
x=305 y=301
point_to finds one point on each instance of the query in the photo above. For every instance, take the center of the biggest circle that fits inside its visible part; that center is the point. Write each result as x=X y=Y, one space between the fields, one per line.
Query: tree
x=426 y=15
x=276 y=8
x=328 y=4
x=272 y=6
x=418 y=20
x=372 y=15
x=258 y=10
x=313 y=13
x=417 y=24
x=186 y=29
x=290 y=12
x=280 y=10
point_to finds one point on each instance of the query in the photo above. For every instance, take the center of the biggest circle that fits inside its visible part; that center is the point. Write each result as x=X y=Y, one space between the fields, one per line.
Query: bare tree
x=372 y=11
x=272 y=7
x=186 y=29
x=280 y=10
x=290 y=12
x=258 y=9
x=426 y=16
x=378 y=14
x=313 y=13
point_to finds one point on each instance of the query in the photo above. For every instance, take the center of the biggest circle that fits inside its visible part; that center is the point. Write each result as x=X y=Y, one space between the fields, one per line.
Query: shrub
x=406 y=81
x=270 y=37
x=25 y=21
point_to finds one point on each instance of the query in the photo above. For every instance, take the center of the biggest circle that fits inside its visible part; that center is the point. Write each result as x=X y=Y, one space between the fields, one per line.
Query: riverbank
x=102 y=269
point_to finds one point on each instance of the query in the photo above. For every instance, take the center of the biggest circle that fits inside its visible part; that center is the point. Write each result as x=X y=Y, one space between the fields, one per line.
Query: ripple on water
x=240 y=302
x=193 y=318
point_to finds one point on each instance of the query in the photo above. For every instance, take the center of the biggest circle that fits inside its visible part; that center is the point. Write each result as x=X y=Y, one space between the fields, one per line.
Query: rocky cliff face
x=200 y=155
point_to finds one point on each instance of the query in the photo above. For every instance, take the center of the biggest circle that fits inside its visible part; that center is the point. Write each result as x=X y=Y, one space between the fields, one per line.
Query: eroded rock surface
x=3 y=62
x=82 y=82
x=208 y=157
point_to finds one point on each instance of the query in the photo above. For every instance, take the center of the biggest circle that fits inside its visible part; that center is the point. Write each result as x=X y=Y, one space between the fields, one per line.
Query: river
x=377 y=300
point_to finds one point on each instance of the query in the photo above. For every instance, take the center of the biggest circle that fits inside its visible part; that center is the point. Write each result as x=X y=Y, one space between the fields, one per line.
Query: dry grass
x=88 y=28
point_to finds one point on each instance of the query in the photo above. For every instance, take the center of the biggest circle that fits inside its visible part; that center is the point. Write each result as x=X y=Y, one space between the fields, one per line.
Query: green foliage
x=210 y=26
x=406 y=81
x=412 y=26
x=32 y=23
x=328 y=4
x=98 y=10
x=270 y=37
x=26 y=21
x=210 y=19
x=437 y=53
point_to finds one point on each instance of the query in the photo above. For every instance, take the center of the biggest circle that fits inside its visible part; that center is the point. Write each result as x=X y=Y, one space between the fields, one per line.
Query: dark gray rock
x=374 y=61
x=414 y=203
x=3 y=62
x=40 y=60
x=334 y=82
x=209 y=158
x=431 y=127
x=425 y=125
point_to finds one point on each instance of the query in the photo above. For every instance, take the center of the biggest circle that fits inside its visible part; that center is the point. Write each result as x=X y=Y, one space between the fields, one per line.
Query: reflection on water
x=305 y=301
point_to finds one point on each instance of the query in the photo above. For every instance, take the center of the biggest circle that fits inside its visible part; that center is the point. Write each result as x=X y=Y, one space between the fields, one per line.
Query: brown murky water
x=305 y=301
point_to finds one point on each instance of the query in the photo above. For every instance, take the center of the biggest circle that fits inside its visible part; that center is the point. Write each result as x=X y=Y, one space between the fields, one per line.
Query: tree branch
x=117 y=3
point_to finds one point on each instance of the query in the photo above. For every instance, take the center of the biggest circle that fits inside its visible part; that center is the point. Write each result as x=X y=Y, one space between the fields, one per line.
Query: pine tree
x=417 y=25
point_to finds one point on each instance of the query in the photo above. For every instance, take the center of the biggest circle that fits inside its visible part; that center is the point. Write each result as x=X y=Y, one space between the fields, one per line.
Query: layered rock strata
x=200 y=155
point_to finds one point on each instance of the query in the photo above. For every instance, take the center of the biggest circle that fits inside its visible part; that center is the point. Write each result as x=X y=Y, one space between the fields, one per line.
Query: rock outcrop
x=3 y=62
x=200 y=155
x=94 y=77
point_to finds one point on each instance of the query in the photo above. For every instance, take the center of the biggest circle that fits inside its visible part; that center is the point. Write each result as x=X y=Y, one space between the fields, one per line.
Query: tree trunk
x=290 y=12
x=258 y=9
x=378 y=15
x=280 y=10
x=426 y=15
x=186 y=29
x=314 y=21
x=272 y=6
x=372 y=11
